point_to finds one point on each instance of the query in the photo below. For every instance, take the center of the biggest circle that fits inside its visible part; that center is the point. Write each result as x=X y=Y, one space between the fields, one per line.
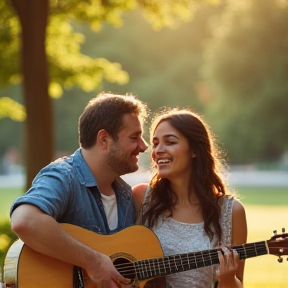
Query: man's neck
x=101 y=172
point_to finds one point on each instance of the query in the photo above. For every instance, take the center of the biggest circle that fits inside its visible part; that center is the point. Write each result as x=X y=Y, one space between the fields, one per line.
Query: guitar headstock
x=278 y=244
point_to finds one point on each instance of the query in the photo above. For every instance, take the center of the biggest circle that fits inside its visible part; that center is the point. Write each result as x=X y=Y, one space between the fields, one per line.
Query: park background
x=227 y=60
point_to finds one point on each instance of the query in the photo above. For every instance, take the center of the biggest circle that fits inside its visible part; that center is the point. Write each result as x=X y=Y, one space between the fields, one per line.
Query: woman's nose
x=159 y=149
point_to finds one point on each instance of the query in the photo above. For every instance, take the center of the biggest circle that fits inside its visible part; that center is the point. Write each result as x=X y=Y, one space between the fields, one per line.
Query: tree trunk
x=39 y=139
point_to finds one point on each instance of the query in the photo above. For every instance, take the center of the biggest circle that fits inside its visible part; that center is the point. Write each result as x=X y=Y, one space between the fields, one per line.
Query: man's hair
x=106 y=111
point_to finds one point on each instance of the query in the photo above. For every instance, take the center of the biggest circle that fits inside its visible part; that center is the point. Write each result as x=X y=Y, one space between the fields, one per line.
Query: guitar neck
x=150 y=268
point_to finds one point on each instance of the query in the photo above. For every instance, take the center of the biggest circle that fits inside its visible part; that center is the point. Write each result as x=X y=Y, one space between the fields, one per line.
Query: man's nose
x=143 y=145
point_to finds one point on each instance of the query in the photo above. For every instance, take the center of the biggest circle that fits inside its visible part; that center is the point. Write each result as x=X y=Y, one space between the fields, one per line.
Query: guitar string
x=148 y=270
x=191 y=256
x=161 y=262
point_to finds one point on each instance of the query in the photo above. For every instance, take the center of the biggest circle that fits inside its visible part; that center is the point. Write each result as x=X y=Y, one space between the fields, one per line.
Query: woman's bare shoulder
x=139 y=190
x=238 y=207
x=138 y=193
x=239 y=223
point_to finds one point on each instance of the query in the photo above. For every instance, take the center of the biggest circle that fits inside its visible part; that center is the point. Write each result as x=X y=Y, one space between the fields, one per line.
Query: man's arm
x=43 y=234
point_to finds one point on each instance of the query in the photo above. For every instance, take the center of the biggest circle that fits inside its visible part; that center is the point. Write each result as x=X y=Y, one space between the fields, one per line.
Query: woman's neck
x=185 y=194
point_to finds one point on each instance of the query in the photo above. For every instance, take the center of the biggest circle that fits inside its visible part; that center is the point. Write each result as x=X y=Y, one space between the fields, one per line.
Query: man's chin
x=133 y=168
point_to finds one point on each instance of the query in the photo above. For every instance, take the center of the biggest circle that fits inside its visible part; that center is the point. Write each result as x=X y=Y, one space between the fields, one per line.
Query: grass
x=266 y=210
x=7 y=196
x=265 y=271
x=263 y=196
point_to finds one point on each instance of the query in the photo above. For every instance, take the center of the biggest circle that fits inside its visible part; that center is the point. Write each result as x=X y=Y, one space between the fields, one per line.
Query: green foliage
x=242 y=92
x=11 y=135
x=7 y=237
x=68 y=67
x=159 y=13
x=168 y=12
x=12 y=109
x=9 y=48
x=67 y=111
x=163 y=67
x=246 y=71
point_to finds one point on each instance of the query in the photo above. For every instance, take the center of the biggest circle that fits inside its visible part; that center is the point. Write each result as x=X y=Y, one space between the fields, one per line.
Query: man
x=85 y=189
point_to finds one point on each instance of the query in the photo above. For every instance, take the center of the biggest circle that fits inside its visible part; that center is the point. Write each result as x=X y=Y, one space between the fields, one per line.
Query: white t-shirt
x=111 y=211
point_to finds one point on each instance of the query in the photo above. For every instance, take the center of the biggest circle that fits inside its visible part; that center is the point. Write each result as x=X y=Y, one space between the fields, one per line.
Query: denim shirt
x=66 y=190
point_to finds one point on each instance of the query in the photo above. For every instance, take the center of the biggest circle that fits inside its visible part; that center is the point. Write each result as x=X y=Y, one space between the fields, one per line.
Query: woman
x=187 y=203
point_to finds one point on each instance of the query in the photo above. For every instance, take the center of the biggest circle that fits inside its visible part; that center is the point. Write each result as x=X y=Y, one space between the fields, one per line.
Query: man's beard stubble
x=120 y=162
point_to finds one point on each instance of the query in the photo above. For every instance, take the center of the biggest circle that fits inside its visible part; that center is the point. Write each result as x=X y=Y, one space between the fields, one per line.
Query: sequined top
x=177 y=238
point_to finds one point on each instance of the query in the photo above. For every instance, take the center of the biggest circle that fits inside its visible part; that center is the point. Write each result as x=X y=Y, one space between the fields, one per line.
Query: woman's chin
x=164 y=174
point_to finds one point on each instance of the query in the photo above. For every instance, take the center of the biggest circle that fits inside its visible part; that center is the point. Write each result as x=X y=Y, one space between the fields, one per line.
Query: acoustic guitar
x=135 y=252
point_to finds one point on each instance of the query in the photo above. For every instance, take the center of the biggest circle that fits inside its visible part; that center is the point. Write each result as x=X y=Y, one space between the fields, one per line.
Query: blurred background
x=227 y=60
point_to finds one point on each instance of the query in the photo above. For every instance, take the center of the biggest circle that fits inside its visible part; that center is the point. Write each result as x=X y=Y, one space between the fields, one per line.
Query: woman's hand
x=228 y=259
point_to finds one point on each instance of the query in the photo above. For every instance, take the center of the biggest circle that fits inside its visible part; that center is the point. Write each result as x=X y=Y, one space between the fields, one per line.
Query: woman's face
x=171 y=152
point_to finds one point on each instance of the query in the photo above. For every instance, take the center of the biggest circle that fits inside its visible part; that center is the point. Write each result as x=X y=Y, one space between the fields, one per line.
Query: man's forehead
x=132 y=124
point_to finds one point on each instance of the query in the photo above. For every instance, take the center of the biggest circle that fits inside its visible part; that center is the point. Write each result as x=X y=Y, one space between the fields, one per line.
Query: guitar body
x=135 y=252
x=26 y=268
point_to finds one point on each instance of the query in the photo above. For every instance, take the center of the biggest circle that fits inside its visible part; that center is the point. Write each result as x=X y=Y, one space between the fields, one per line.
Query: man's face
x=123 y=156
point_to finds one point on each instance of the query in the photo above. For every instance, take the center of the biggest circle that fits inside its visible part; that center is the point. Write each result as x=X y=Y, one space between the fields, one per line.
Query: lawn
x=266 y=210
x=7 y=196
x=263 y=196
x=265 y=271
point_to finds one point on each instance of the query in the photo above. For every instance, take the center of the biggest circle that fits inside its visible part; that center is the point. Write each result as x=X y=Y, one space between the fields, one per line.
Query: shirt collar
x=86 y=177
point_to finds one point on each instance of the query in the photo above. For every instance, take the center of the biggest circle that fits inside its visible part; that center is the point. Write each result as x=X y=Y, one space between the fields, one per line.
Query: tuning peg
x=283 y=230
x=275 y=232
x=280 y=259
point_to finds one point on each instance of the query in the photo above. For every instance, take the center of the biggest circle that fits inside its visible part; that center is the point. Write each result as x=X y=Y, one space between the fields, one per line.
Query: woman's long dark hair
x=205 y=177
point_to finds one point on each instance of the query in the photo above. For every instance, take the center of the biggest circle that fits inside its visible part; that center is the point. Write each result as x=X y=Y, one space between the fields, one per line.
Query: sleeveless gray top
x=177 y=238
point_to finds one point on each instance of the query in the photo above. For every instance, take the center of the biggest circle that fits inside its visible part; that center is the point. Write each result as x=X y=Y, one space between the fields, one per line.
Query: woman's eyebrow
x=167 y=136
x=171 y=135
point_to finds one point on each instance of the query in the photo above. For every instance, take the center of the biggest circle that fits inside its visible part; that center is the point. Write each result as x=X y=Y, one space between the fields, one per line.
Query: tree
x=164 y=67
x=246 y=72
x=50 y=47
x=158 y=78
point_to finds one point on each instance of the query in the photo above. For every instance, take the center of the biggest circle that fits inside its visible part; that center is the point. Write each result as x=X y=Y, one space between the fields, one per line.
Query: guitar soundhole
x=125 y=267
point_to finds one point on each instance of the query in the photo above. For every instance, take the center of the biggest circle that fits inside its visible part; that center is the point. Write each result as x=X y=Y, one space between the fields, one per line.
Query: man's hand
x=103 y=272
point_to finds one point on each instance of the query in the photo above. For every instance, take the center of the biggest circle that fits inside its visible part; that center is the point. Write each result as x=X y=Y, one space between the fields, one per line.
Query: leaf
x=12 y=109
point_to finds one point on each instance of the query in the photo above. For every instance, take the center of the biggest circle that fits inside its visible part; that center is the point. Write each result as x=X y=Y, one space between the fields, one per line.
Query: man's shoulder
x=68 y=160
x=62 y=165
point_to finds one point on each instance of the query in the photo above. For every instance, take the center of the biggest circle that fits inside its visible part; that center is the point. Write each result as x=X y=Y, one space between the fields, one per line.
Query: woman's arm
x=138 y=192
x=231 y=268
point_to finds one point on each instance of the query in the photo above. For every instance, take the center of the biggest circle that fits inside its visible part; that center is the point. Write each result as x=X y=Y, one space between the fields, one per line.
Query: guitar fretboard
x=146 y=269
